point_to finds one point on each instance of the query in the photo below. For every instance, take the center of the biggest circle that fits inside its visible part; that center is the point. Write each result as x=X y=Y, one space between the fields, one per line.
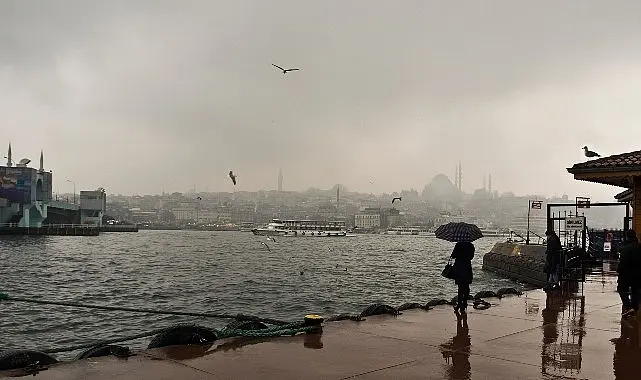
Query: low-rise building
x=367 y=220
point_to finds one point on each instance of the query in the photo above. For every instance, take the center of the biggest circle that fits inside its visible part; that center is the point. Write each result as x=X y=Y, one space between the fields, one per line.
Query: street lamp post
x=74 y=190
x=531 y=205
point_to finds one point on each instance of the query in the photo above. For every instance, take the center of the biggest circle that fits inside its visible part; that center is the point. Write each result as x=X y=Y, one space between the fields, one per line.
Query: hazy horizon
x=151 y=96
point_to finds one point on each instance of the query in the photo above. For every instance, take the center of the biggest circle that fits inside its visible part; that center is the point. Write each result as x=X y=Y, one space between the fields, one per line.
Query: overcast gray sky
x=151 y=96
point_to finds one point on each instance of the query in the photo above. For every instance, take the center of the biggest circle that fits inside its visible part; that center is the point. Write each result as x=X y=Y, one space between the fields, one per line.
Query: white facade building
x=367 y=220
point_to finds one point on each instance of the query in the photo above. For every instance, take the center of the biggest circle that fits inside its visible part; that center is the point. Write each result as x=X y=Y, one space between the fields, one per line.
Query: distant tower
x=460 y=177
x=280 y=180
x=42 y=165
x=484 y=184
x=337 y=194
x=456 y=177
x=9 y=161
x=489 y=185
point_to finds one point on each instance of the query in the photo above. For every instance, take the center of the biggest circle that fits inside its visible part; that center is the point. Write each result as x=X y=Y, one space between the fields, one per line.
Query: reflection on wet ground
x=457 y=350
x=563 y=332
x=573 y=333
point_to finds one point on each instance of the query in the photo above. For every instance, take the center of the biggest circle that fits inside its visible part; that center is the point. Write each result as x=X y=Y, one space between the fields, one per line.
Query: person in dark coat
x=552 y=258
x=462 y=254
x=629 y=270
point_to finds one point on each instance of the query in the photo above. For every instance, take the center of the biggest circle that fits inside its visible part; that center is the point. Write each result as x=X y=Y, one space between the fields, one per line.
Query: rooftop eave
x=625 y=196
x=617 y=170
x=614 y=178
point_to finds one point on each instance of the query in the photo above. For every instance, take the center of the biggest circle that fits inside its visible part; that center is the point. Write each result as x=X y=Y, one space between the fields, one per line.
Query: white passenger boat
x=279 y=227
x=403 y=231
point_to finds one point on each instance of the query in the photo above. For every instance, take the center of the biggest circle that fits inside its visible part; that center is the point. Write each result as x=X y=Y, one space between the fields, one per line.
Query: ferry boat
x=403 y=231
x=279 y=227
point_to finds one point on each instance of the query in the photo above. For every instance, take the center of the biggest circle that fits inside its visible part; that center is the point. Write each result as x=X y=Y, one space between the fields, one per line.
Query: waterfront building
x=367 y=221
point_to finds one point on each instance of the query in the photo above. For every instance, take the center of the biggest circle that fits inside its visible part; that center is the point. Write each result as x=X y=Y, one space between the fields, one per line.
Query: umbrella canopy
x=460 y=231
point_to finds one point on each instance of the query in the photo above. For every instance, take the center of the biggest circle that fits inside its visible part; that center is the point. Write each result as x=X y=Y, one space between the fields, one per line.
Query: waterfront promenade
x=534 y=336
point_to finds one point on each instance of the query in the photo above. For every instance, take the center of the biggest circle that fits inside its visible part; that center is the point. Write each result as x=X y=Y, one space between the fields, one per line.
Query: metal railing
x=572 y=264
x=522 y=239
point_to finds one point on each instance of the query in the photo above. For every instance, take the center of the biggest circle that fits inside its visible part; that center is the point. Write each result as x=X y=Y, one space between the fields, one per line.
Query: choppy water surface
x=202 y=271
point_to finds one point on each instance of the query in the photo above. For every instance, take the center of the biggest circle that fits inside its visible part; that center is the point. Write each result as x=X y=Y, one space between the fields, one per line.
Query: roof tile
x=617 y=160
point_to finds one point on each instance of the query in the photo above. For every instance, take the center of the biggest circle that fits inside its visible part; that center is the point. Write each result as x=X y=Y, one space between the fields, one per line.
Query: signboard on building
x=15 y=184
x=583 y=204
x=607 y=246
x=575 y=223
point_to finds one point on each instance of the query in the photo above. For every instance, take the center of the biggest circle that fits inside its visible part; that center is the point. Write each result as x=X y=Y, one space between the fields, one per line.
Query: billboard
x=16 y=184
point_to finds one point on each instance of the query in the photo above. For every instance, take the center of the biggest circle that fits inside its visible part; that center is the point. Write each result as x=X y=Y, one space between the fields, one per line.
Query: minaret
x=456 y=177
x=489 y=186
x=460 y=177
x=484 y=184
x=42 y=165
x=9 y=161
x=280 y=180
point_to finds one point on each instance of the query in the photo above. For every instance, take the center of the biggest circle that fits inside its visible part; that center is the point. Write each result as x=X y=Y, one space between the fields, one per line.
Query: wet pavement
x=576 y=333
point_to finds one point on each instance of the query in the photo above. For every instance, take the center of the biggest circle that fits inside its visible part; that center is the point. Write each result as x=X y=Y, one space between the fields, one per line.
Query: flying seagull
x=232 y=176
x=284 y=70
x=399 y=198
x=589 y=153
x=263 y=243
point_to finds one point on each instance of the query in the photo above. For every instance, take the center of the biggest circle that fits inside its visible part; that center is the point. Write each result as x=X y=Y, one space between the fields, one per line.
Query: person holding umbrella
x=463 y=253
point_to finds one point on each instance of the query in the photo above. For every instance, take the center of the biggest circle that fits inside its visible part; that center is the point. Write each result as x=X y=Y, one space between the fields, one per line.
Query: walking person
x=629 y=271
x=463 y=253
x=552 y=259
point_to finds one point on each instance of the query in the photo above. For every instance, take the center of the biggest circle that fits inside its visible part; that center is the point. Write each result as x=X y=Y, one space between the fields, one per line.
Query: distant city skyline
x=605 y=193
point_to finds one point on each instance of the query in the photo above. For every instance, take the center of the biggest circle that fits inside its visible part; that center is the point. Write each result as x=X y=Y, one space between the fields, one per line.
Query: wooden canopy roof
x=617 y=170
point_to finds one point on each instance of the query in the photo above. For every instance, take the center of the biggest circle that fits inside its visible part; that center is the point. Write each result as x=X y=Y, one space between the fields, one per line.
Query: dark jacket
x=552 y=254
x=463 y=254
x=629 y=268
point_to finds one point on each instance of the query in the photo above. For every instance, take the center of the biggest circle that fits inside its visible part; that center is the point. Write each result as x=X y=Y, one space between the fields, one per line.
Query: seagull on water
x=271 y=239
x=284 y=70
x=589 y=153
x=265 y=244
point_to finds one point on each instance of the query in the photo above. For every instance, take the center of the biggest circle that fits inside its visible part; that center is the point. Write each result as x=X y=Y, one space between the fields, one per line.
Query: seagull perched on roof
x=284 y=70
x=589 y=153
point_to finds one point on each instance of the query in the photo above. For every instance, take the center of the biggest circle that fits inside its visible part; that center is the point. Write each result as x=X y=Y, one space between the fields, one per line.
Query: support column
x=636 y=207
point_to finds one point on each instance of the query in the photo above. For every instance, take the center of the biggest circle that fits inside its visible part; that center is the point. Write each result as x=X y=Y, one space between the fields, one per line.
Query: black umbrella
x=459 y=231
